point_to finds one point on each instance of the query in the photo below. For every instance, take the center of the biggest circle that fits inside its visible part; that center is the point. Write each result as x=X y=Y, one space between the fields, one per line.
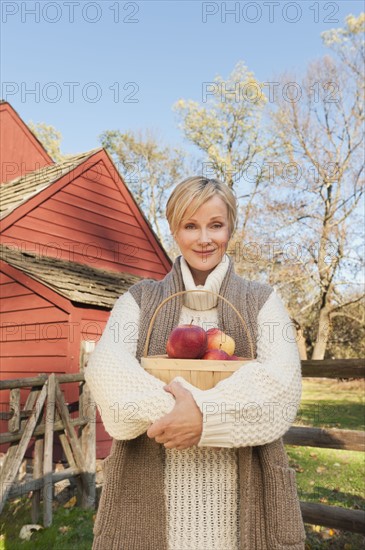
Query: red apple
x=217 y=339
x=216 y=355
x=187 y=342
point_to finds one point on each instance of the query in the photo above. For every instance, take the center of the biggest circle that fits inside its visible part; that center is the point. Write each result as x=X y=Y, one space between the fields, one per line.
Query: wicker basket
x=202 y=373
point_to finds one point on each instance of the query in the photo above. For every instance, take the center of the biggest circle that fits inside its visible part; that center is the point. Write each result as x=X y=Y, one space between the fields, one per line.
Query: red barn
x=20 y=150
x=73 y=239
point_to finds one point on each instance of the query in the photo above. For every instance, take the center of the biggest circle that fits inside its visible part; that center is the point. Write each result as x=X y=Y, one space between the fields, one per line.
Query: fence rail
x=333 y=368
x=351 y=440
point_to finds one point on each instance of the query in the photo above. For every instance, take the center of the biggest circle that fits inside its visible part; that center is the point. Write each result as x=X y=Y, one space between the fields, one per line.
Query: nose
x=204 y=237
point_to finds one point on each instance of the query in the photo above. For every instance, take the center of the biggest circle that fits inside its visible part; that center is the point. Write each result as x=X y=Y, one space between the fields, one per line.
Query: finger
x=161 y=439
x=183 y=442
x=169 y=445
x=155 y=430
x=176 y=386
x=177 y=389
x=187 y=440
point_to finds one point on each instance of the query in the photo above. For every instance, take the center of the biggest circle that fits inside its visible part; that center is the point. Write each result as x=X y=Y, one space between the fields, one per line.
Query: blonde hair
x=191 y=193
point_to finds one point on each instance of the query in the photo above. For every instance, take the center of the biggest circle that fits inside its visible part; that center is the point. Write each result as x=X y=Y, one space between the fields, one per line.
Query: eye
x=217 y=225
x=189 y=225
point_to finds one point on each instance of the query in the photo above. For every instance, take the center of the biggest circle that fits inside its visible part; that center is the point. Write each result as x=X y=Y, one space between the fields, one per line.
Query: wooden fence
x=45 y=413
x=351 y=440
x=80 y=450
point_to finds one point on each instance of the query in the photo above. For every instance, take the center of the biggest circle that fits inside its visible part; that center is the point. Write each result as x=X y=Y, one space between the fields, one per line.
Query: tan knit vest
x=132 y=513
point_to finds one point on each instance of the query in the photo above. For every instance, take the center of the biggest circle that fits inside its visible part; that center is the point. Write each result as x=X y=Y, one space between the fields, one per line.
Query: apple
x=187 y=342
x=216 y=355
x=217 y=339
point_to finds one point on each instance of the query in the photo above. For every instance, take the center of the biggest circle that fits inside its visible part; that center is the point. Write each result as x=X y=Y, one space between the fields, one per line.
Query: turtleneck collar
x=203 y=301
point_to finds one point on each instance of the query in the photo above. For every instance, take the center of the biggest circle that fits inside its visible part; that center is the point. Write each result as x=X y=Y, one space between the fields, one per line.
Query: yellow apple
x=217 y=339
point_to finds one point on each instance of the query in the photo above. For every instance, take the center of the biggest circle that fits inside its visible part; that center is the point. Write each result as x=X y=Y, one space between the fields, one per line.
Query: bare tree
x=150 y=170
x=320 y=171
x=227 y=128
x=347 y=334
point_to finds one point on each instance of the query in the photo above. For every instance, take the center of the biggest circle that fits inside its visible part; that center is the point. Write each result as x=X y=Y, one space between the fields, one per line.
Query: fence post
x=37 y=473
x=37 y=457
x=14 y=422
x=48 y=453
x=87 y=408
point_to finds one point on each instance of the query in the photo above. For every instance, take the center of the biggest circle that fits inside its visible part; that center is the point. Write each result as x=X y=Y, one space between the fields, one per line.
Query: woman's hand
x=183 y=426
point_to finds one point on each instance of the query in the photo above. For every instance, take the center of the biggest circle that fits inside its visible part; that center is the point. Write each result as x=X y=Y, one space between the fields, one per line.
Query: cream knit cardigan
x=255 y=406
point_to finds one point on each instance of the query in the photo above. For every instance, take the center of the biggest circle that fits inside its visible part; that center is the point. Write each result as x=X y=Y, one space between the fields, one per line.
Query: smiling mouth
x=204 y=251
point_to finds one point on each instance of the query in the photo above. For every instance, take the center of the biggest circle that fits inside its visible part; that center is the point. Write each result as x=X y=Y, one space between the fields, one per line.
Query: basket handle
x=145 y=349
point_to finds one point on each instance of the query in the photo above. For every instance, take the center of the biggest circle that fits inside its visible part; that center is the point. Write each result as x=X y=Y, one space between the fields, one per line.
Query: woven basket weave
x=202 y=373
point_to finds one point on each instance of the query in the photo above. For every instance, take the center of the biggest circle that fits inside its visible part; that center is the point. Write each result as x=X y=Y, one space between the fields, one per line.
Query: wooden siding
x=90 y=220
x=21 y=152
x=88 y=216
x=92 y=324
x=15 y=193
x=31 y=327
x=34 y=336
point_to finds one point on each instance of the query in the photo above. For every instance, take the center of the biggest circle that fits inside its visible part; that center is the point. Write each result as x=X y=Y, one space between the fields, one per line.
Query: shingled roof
x=15 y=192
x=78 y=282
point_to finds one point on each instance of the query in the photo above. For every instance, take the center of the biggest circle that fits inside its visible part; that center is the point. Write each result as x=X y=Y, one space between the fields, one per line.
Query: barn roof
x=78 y=282
x=15 y=192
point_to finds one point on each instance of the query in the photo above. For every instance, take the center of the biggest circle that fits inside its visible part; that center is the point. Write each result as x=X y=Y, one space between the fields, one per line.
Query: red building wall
x=34 y=332
x=87 y=216
x=38 y=336
x=92 y=220
x=34 y=336
x=20 y=152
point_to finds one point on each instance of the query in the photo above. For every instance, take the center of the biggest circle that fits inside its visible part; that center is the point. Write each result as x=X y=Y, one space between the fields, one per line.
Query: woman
x=192 y=469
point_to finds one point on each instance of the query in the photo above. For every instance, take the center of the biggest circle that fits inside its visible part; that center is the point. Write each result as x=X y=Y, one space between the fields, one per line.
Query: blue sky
x=152 y=52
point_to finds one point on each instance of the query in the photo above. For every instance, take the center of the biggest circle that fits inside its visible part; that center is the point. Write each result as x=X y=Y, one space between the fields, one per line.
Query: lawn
x=333 y=404
x=328 y=476
x=71 y=528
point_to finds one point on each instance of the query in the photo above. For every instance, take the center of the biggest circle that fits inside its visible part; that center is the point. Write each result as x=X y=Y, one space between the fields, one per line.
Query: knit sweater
x=254 y=406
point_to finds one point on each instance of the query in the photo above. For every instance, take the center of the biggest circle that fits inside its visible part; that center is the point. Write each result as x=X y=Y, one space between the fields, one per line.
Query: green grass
x=71 y=528
x=328 y=476
x=331 y=476
x=333 y=404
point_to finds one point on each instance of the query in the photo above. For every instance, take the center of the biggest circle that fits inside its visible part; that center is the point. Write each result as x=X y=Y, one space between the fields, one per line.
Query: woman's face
x=203 y=239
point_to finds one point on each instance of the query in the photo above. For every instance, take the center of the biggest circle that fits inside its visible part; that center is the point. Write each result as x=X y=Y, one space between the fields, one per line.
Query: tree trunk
x=302 y=348
x=301 y=345
x=320 y=345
